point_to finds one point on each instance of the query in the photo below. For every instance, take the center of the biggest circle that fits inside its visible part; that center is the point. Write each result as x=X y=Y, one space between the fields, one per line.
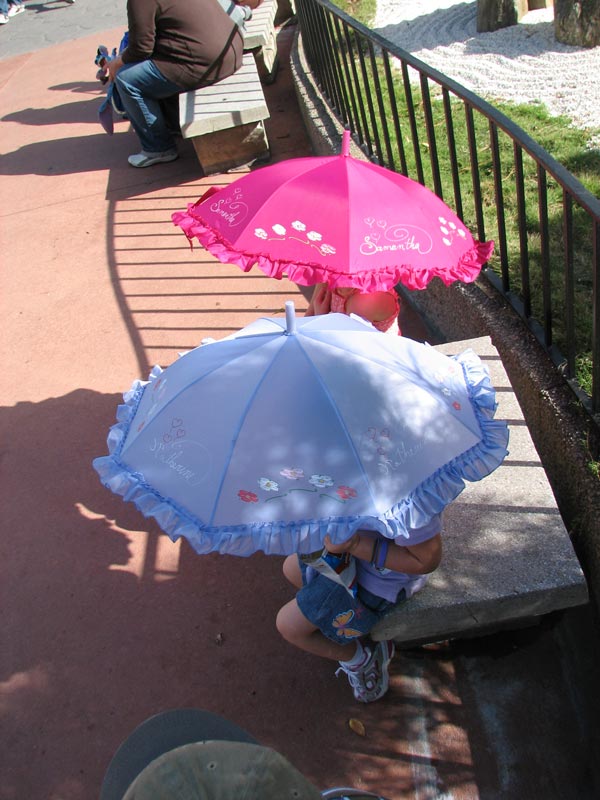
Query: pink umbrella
x=337 y=220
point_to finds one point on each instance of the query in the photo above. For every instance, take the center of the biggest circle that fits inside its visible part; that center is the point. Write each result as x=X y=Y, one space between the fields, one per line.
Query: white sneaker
x=371 y=681
x=15 y=9
x=145 y=159
x=3 y=19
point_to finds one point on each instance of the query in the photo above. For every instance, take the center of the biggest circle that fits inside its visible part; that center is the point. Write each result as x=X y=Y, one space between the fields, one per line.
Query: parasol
x=337 y=220
x=292 y=429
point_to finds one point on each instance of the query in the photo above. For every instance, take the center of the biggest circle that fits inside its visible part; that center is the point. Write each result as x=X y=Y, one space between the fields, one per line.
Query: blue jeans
x=141 y=87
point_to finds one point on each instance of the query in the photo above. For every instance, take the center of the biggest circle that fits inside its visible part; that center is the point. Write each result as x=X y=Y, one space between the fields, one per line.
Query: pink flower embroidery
x=346 y=492
x=292 y=473
x=456 y=405
x=247 y=497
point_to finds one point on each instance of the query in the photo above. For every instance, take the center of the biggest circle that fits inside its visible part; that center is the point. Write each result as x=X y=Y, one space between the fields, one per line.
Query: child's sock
x=359 y=658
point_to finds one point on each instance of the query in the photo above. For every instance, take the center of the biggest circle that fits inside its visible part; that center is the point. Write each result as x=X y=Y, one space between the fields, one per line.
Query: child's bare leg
x=297 y=630
x=291 y=570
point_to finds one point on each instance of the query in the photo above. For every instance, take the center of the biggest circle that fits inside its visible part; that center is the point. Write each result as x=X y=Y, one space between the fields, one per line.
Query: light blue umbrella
x=292 y=429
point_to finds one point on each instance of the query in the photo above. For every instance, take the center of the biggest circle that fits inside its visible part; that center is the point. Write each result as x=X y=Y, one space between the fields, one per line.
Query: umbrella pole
x=290 y=318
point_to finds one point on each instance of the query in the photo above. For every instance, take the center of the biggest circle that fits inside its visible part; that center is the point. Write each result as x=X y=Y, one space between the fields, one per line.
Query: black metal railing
x=411 y=118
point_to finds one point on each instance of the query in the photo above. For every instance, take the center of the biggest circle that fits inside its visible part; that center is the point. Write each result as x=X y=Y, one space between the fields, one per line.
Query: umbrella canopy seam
x=335 y=410
x=236 y=433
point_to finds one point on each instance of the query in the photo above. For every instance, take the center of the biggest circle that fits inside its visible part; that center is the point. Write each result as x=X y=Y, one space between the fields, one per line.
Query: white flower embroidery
x=268 y=485
x=292 y=473
x=314 y=236
x=261 y=233
x=279 y=230
x=298 y=226
x=327 y=250
x=321 y=481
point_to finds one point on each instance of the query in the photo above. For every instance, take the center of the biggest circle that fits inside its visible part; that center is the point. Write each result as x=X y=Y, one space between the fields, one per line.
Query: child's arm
x=374 y=306
x=416 y=559
x=320 y=302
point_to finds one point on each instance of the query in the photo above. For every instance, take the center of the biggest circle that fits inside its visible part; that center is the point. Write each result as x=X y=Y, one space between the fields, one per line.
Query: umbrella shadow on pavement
x=109 y=623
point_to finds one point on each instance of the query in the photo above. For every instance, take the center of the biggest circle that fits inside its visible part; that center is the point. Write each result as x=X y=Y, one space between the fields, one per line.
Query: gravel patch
x=523 y=63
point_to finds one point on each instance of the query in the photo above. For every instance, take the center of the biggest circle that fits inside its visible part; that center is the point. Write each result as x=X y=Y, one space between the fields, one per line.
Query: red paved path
x=106 y=622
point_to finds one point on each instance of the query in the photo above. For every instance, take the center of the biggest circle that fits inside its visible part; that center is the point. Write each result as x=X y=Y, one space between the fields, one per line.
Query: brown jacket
x=184 y=38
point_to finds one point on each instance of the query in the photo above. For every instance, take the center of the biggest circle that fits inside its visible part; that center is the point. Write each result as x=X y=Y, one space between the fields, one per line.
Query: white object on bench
x=226 y=120
x=507 y=557
x=260 y=40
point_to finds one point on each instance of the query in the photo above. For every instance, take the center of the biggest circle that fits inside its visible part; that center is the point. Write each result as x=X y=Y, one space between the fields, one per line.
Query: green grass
x=568 y=146
x=362 y=10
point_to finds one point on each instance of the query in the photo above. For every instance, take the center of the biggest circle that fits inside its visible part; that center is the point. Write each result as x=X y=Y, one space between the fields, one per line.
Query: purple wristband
x=382 y=552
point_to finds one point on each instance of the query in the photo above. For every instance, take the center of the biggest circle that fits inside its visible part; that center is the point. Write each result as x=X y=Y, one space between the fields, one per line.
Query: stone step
x=508 y=558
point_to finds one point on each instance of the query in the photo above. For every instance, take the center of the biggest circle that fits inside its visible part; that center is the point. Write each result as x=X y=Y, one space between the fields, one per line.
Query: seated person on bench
x=191 y=44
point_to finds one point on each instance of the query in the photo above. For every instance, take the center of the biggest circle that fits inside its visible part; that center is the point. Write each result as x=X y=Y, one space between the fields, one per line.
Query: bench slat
x=260 y=24
x=260 y=40
x=236 y=100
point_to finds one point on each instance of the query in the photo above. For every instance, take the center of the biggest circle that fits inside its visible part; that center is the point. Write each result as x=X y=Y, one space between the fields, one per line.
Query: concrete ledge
x=507 y=554
x=562 y=433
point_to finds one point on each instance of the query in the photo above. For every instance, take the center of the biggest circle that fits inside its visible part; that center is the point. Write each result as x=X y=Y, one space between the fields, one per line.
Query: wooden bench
x=508 y=558
x=226 y=120
x=260 y=40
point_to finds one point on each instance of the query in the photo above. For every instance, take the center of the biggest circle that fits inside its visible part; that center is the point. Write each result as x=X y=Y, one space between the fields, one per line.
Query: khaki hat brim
x=160 y=734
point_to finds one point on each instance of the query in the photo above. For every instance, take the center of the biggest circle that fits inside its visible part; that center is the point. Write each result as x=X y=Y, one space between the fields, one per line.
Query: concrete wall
x=559 y=429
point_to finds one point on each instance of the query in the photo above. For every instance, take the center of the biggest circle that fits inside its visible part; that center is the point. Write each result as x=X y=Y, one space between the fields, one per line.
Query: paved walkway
x=104 y=621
